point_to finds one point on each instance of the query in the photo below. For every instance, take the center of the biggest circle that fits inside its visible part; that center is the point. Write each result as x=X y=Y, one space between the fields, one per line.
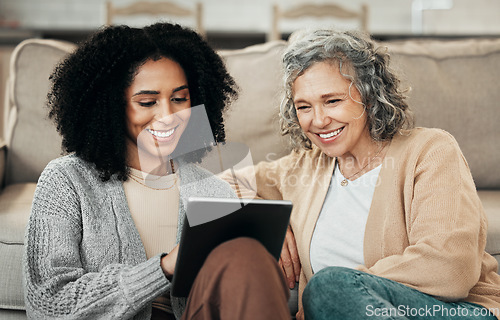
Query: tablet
x=212 y=221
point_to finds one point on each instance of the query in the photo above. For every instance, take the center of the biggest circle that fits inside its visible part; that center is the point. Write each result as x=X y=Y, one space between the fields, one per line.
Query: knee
x=240 y=244
x=244 y=262
x=338 y=293
x=336 y=276
x=329 y=283
x=240 y=253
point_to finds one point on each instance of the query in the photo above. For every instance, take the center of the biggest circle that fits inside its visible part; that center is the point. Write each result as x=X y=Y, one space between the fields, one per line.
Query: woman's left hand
x=168 y=262
x=289 y=259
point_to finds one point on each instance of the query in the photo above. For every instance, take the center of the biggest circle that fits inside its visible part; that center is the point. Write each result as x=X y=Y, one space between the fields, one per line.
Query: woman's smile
x=162 y=135
x=330 y=136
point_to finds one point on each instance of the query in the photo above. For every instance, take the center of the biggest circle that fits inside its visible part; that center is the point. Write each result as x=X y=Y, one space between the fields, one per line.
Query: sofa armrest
x=3 y=156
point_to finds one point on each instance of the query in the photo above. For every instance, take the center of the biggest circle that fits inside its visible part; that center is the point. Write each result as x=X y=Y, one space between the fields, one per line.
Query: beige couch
x=453 y=87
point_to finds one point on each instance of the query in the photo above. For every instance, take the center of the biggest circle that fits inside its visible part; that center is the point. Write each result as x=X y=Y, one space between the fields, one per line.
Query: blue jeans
x=342 y=293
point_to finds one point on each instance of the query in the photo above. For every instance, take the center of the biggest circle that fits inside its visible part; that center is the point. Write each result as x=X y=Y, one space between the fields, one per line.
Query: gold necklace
x=345 y=182
x=142 y=181
x=139 y=181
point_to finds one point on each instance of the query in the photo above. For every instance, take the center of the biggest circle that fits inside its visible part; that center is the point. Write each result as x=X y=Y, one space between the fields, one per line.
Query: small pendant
x=344 y=183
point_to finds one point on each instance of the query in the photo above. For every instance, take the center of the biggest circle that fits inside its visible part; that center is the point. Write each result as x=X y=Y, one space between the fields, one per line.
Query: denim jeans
x=342 y=293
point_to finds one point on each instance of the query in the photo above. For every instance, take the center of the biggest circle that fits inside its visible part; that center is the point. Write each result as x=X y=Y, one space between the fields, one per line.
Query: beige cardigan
x=426 y=227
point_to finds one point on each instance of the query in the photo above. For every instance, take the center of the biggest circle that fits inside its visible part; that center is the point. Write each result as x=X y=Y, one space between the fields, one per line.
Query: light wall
x=467 y=17
x=386 y=18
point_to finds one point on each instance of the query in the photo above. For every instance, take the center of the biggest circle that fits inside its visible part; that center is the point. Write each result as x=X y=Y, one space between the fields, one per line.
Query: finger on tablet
x=287 y=266
x=294 y=254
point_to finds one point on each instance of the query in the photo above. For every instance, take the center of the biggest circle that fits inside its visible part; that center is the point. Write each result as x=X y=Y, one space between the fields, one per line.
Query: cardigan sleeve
x=57 y=283
x=445 y=225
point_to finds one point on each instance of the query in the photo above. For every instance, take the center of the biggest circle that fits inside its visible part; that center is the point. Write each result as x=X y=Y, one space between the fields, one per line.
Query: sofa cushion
x=253 y=119
x=15 y=204
x=491 y=204
x=454 y=87
x=31 y=64
x=6 y=314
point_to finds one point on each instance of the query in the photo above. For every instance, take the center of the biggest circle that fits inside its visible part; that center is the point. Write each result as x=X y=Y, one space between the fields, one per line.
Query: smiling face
x=157 y=112
x=330 y=112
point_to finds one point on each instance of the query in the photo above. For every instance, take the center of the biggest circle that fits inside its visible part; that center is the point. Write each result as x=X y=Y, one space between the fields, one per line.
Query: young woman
x=103 y=232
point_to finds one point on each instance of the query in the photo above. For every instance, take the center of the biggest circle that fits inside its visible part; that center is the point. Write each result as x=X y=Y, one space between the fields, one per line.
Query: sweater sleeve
x=58 y=283
x=446 y=226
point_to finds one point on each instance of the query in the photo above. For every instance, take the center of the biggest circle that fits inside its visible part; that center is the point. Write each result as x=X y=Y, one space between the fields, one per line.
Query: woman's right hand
x=168 y=262
x=289 y=259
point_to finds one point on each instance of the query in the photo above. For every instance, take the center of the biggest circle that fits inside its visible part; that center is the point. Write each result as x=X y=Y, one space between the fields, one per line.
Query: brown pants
x=240 y=280
x=161 y=315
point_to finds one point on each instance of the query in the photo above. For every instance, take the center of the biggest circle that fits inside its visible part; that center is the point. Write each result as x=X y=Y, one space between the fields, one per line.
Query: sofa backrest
x=32 y=140
x=253 y=119
x=454 y=87
x=452 y=84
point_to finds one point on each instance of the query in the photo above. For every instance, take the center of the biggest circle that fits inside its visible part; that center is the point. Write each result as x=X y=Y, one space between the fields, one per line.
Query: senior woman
x=387 y=222
x=101 y=238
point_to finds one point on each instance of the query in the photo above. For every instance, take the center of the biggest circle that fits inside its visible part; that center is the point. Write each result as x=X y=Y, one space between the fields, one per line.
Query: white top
x=339 y=233
x=154 y=204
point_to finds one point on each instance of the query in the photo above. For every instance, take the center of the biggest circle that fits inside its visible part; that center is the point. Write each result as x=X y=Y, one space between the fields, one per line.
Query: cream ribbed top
x=154 y=205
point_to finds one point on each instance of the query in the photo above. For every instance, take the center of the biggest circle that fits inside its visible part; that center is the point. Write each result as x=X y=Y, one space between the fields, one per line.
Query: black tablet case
x=210 y=222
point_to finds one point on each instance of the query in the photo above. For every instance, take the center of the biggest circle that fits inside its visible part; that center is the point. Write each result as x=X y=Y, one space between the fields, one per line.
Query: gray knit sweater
x=84 y=258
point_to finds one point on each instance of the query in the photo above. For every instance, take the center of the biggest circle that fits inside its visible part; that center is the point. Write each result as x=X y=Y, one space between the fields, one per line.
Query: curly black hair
x=87 y=97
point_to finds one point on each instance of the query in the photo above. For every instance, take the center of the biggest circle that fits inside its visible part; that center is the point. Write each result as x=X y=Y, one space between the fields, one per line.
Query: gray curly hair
x=378 y=86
